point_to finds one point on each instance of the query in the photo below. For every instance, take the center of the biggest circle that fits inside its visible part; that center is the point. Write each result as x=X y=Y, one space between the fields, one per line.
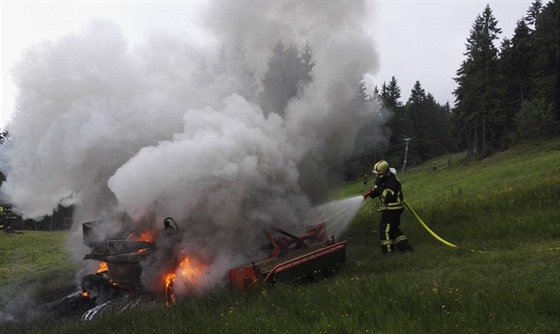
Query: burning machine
x=290 y=257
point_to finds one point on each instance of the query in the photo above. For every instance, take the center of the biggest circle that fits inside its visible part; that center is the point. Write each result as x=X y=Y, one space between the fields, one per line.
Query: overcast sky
x=416 y=40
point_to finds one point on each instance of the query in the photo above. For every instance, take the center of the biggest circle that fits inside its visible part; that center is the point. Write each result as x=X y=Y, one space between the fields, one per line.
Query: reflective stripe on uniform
x=394 y=206
x=400 y=238
x=387 y=242
x=390 y=206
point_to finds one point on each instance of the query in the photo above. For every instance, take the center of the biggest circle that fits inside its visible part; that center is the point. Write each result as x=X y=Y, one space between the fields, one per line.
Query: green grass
x=37 y=262
x=507 y=205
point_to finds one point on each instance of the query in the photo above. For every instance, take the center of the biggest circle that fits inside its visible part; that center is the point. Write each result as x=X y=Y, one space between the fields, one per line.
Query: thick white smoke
x=109 y=127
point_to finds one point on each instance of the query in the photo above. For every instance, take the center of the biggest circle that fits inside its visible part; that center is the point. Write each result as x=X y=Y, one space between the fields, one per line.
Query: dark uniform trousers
x=390 y=234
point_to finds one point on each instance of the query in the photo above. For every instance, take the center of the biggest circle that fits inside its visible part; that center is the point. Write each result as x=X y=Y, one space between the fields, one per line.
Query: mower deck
x=295 y=263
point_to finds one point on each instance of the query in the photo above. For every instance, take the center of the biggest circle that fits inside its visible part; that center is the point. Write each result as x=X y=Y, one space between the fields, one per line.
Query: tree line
x=510 y=93
x=504 y=94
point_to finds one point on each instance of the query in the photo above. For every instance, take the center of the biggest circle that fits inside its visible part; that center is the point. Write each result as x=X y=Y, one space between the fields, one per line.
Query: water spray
x=337 y=214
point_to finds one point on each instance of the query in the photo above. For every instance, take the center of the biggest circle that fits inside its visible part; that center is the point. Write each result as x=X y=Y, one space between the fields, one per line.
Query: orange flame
x=169 y=292
x=146 y=236
x=187 y=273
x=102 y=267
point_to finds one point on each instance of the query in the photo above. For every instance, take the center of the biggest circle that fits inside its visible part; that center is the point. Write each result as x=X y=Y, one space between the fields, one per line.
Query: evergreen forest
x=505 y=94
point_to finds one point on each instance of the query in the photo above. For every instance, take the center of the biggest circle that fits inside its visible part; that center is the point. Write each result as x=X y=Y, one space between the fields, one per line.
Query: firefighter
x=388 y=190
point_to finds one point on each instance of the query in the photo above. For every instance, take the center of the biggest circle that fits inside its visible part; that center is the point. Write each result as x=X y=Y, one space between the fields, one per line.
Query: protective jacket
x=389 y=191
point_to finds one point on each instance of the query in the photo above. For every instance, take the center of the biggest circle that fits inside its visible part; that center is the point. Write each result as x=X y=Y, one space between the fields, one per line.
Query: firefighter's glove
x=369 y=192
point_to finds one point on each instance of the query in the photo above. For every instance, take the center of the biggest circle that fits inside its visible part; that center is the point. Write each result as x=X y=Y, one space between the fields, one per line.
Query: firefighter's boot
x=403 y=245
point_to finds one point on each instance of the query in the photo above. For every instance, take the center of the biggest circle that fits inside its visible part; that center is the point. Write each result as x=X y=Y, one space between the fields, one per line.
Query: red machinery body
x=292 y=257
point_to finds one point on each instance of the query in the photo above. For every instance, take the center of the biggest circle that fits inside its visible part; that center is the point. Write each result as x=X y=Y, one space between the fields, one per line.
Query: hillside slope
x=506 y=208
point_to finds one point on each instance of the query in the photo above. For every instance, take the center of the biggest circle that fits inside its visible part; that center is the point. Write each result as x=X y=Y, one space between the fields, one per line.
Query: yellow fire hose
x=432 y=233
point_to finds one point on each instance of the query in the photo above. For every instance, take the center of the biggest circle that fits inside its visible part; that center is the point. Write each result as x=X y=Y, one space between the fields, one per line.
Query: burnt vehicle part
x=121 y=259
x=292 y=258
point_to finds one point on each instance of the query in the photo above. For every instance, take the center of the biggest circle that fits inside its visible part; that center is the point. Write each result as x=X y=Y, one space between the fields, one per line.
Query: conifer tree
x=431 y=125
x=417 y=113
x=533 y=13
x=203 y=75
x=391 y=93
x=287 y=74
x=220 y=68
x=478 y=114
x=307 y=65
x=545 y=62
x=274 y=96
x=514 y=72
x=242 y=74
x=399 y=124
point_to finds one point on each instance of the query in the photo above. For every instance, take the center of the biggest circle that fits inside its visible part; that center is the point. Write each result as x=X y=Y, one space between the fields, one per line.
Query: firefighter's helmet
x=381 y=168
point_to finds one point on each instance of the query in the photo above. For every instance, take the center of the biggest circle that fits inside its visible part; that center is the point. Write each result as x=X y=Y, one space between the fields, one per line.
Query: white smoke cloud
x=112 y=128
x=261 y=24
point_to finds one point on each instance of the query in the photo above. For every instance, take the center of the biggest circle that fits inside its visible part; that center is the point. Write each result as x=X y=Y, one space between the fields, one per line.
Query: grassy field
x=506 y=208
x=35 y=263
